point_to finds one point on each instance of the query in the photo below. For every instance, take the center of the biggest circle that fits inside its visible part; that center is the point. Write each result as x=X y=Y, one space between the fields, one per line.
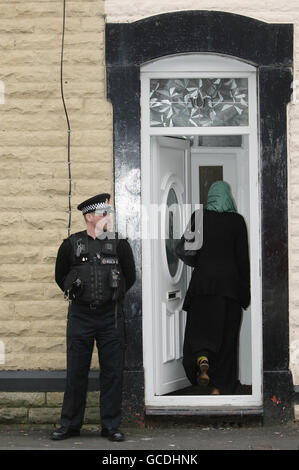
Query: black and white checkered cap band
x=99 y=206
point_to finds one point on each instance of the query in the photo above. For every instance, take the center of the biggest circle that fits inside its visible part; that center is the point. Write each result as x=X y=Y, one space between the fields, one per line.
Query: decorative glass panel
x=171 y=241
x=199 y=102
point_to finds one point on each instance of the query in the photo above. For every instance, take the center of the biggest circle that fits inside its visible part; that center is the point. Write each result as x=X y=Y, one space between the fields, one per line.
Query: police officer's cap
x=99 y=203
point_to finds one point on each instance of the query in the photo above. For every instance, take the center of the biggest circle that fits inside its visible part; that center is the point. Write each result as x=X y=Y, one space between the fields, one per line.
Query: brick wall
x=272 y=11
x=33 y=164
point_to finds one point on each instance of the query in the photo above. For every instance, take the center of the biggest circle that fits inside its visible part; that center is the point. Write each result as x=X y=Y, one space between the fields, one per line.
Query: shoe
x=64 y=433
x=113 y=434
x=202 y=377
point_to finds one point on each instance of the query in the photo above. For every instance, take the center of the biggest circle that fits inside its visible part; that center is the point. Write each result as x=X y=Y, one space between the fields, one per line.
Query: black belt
x=92 y=306
x=85 y=304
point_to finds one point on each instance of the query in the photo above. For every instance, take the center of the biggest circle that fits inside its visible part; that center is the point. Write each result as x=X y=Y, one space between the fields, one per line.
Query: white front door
x=170 y=159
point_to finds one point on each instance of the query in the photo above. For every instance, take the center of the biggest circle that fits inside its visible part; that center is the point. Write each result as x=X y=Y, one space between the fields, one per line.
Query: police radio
x=115 y=278
x=109 y=256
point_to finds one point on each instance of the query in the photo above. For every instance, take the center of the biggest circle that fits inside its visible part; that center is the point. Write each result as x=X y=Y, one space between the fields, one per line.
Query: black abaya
x=212 y=329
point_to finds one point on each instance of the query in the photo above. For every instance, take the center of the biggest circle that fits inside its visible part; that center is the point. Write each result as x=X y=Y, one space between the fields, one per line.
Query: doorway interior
x=206 y=159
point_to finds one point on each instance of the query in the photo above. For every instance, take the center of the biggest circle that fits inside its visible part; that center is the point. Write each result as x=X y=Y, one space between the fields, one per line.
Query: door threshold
x=205 y=411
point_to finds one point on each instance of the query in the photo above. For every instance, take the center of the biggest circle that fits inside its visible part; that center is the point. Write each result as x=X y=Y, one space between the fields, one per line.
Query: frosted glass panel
x=199 y=102
x=171 y=241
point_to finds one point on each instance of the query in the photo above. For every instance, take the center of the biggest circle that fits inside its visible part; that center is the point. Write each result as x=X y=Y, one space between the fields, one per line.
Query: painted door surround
x=270 y=48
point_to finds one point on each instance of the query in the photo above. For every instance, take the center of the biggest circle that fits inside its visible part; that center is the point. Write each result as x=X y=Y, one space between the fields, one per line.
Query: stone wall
x=33 y=164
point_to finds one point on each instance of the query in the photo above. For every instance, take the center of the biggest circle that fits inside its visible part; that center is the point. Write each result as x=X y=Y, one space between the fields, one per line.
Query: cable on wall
x=68 y=124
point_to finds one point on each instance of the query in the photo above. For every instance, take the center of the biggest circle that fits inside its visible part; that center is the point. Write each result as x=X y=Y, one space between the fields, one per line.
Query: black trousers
x=84 y=327
x=212 y=329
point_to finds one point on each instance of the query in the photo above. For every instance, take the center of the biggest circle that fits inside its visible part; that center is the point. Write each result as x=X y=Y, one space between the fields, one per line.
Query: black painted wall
x=270 y=48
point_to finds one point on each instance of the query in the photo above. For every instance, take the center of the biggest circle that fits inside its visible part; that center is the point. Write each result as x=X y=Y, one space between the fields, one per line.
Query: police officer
x=94 y=268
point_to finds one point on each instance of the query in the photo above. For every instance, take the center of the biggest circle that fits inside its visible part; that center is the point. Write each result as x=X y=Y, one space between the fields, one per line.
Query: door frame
x=268 y=46
x=213 y=66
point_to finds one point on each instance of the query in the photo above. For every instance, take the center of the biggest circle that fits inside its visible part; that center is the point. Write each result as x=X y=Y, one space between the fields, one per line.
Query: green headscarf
x=220 y=198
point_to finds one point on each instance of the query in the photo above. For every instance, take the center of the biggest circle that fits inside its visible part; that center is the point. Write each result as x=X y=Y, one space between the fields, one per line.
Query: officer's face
x=102 y=223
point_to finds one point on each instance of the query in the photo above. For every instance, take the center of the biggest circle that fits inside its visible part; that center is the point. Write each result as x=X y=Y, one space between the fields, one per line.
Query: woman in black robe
x=219 y=288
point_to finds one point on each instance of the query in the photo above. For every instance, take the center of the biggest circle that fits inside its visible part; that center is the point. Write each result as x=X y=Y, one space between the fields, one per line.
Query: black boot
x=64 y=433
x=113 y=434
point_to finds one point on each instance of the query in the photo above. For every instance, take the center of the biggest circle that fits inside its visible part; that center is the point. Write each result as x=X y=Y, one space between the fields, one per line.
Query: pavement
x=167 y=438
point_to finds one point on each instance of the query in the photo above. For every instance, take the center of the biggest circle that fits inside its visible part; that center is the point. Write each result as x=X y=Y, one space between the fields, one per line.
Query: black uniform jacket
x=222 y=264
x=124 y=252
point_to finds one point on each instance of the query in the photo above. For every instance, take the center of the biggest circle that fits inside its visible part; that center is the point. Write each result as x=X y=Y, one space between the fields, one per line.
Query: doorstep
x=204 y=411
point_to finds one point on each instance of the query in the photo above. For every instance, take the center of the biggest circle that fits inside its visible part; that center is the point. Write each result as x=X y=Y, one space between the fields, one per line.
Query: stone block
x=94 y=25
x=92 y=415
x=45 y=203
x=92 y=154
x=51 y=291
x=85 y=188
x=33 y=138
x=54 y=399
x=90 y=171
x=93 y=399
x=23 y=349
x=84 y=39
x=22 y=290
x=9 y=219
x=28 y=238
x=11 y=328
x=17 y=254
x=15 y=272
x=22 y=399
x=48 y=256
x=91 y=106
x=11 y=169
x=6 y=309
x=13 y=415
x=43 y=25
x=52 y=309
x=44 y=415
x=40 y=220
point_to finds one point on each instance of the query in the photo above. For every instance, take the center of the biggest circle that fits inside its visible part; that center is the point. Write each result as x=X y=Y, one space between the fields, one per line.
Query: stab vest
x=93 y=265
